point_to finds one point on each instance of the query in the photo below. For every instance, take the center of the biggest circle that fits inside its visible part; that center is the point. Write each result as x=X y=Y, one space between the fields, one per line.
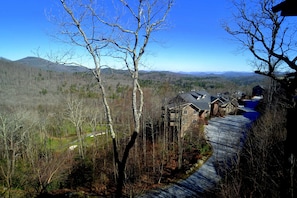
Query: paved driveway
x=226 y=136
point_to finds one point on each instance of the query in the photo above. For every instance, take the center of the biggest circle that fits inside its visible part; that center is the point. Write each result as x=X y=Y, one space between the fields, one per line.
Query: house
x=188 y=109
x=287 y=8
x=223 y=105
x=216 y=102
x=258 y=92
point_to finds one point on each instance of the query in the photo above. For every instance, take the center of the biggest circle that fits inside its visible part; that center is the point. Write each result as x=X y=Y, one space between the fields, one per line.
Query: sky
x=195 y=41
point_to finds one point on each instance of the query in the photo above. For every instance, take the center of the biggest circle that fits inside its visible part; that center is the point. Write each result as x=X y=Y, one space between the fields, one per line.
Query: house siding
x=188 y=119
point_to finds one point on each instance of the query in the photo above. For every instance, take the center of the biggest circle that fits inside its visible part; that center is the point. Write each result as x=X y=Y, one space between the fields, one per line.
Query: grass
x=59 y=144
x=62 y=143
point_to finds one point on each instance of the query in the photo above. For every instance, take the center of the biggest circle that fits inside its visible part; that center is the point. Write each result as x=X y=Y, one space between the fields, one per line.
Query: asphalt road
x=226 y=135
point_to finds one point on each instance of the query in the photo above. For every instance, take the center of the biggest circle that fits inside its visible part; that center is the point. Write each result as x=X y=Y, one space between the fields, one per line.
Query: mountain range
x=40 y=63
x=44 y=64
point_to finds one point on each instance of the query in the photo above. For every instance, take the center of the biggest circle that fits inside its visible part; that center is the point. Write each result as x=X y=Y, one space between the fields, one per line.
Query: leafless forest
x=54 y=137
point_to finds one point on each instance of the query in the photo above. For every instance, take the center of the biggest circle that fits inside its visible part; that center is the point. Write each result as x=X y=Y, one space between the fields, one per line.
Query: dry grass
x=259 y=171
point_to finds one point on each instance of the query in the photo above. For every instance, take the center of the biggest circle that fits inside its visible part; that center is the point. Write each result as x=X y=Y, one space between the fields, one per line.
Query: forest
x=54 y=137
x=72 y=132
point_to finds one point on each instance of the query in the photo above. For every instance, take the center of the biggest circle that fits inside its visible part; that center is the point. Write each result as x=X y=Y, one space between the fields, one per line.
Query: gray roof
x=199 y=99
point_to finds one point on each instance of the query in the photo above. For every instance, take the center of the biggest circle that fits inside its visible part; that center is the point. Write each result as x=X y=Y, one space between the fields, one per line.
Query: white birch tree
x=121 y=29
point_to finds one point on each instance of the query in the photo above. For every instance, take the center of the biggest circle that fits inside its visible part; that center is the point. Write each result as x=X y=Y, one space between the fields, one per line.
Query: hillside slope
x=34 y=81
x=50 y=66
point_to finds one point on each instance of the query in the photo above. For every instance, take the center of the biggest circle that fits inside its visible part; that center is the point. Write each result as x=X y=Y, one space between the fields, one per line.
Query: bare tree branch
x=266 y=35
x=126 y=37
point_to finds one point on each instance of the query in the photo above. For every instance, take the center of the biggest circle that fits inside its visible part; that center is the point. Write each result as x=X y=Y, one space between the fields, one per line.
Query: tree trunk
x=80 y=142
x=153 y=142
x=122 y=164
x=144 y=142
x=180 y=140
x=180 y=149
x=290 y=154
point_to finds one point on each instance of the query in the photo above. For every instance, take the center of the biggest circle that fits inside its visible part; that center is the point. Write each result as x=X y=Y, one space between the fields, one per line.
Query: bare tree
x=75 y=114
x=268 y=37
x=124 y=32
x=46 y=167
x=271 y=39
x=13 y=134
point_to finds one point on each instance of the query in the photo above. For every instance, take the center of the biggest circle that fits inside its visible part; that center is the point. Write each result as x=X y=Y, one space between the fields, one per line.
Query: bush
x=259 y=171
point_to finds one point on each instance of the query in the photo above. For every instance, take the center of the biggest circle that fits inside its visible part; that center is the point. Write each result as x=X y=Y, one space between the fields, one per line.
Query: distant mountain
x=50 y=66
x=223 y=74
x=240 y=78
x=4 y=59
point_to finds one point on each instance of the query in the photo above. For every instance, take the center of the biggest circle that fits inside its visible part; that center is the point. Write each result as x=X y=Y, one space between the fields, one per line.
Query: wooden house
x=188 y=109
x=221 y=106
x=258 y=91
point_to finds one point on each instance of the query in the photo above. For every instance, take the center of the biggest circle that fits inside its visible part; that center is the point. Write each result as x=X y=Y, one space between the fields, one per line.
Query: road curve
x=226 y=135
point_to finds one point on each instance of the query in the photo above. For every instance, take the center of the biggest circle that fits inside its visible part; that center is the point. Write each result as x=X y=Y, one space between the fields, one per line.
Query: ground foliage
x=260 y=169
x=44 y=164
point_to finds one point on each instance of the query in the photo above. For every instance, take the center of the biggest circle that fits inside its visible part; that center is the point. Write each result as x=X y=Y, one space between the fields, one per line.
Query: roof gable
x=200 y=100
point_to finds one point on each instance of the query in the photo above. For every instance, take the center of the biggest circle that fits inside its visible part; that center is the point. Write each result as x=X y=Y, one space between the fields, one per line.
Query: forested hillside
x=24 y=84
x=54 y=137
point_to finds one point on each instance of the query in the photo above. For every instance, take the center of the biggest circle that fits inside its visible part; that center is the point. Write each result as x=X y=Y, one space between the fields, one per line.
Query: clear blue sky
x=195 y=42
